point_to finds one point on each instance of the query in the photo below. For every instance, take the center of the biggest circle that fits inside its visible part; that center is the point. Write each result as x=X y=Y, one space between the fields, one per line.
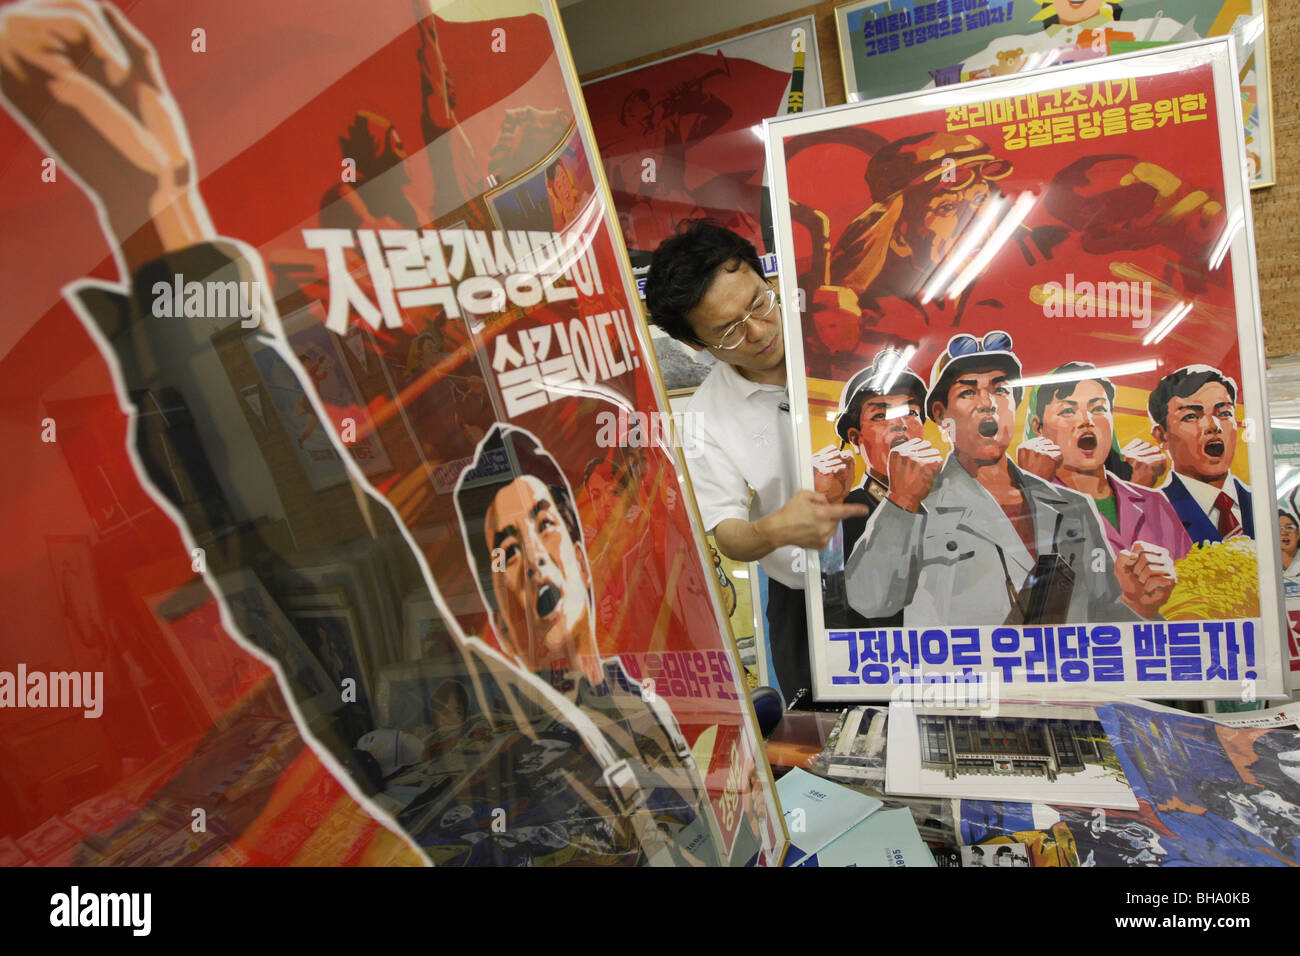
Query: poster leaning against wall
x=1036 y=345
x=341 y=362
x=681 y=137
x=901 y=45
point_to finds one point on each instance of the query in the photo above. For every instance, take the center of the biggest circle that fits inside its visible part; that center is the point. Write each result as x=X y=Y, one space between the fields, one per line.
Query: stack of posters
x=854 y=754
x=1050 y=753
x=855 y=747
x=1210 y=793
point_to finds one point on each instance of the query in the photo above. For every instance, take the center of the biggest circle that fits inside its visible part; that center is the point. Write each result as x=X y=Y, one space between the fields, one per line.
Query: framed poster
x=901 y=45
x=396 y=369
x=680 y=138
x=1038 y=345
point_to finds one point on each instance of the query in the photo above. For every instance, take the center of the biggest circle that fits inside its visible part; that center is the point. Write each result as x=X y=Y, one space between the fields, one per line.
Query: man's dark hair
x=1186 y=381
x=1049 y=392
x=507 y=453
x=683 y=268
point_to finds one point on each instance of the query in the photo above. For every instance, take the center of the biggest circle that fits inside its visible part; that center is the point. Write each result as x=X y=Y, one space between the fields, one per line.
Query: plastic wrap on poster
x=1284 y=408
x=1042 y=355
x=903 y=45
x=321 y=334
x=681 y=137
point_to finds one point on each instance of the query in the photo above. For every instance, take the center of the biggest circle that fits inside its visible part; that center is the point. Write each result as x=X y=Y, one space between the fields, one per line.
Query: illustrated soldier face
x=1200 y=433
x=982 y=408
x=1082 y=425
x=935 y=215
x=539 y=576
x=885 y=421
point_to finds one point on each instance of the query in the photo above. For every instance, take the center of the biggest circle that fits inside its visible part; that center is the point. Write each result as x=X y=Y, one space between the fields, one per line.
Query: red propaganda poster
x=1025 y=325
x=681 y=138
x=344 y=524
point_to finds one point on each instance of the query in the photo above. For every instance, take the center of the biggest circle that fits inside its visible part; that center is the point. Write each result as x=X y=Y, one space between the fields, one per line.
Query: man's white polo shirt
x=742 y=440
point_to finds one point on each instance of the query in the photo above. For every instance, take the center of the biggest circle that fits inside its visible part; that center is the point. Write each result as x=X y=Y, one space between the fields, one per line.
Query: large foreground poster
x=330 y=421
x=1024 y=331
x=894 y=46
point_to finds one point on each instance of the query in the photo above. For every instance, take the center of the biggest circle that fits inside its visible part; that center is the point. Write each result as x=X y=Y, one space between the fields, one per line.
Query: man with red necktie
x=1195 y=420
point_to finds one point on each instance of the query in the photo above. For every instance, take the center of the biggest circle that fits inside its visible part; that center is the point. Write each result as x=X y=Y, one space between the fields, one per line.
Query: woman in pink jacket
x=1070 y=432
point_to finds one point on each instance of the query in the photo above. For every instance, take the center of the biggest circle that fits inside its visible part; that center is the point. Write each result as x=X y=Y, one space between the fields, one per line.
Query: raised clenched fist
x=1039 y=456
x=1146 y=577
x=913 y=467
x=1147 y=461
x=832 y=473
x=87 y=85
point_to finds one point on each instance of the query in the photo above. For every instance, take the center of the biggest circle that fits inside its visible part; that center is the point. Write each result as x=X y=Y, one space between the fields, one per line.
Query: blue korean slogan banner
x=982 y=658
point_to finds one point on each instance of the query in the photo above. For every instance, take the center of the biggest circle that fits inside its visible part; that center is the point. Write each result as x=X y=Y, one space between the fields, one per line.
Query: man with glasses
x=706 y=289
x=966 y=539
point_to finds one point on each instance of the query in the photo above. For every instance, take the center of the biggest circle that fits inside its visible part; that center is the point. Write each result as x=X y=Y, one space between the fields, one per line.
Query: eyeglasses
x=733 y=336
x=960 y=345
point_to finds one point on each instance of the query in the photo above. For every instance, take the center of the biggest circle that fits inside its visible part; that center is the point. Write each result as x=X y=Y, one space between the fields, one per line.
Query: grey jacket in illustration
x=944 y=565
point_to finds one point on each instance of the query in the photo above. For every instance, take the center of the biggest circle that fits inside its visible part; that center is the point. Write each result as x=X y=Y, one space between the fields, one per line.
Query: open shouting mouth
x=1087 y=442
x=548 y=597
x=1214 y=448
x=898 y=439
x=988 y=428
